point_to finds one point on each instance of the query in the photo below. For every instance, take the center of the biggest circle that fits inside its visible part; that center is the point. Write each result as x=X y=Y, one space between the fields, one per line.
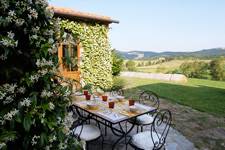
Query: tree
x=32 y=102
x=117 y=63
x=131 y=65
x=217 y=67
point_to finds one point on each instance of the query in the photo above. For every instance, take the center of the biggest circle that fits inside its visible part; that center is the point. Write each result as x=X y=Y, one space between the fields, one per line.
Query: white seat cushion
x=143 y=140
x=88 y=133
x=143 y=119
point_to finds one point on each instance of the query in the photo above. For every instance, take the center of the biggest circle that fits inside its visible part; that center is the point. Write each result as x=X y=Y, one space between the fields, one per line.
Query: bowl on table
x=120 y=98
x=91 y=105
x=133 y=108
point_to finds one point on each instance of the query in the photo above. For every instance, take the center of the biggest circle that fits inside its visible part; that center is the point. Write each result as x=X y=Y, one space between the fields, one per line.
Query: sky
x=159 y=25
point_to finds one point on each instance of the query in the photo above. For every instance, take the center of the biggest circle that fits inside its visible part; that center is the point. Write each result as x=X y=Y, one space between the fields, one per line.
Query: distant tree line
x=204 y=70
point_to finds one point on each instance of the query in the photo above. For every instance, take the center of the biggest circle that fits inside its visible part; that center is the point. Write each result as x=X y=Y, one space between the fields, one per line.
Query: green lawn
x=204 y=95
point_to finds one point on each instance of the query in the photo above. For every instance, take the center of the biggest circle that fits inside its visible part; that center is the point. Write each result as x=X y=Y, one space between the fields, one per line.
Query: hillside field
x=164 y=67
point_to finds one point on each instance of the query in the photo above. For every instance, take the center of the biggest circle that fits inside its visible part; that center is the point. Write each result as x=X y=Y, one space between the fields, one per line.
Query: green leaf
x=27 y=123
x=43 y=138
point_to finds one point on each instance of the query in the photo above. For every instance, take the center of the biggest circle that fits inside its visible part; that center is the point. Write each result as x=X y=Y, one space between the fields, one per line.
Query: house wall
x=96 y=61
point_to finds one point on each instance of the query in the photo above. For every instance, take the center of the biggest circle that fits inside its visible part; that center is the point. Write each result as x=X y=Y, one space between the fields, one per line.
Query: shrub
x=195 y=69
x=118 y=83
x=217 y=67
x=117 y=63
x=32 y=102
x=131 y=65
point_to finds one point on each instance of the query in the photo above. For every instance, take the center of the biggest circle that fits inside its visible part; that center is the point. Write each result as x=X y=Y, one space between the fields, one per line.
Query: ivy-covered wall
x=96 y=63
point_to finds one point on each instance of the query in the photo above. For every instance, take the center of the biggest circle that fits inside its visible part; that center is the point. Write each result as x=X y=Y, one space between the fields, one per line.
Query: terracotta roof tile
x=67 y=12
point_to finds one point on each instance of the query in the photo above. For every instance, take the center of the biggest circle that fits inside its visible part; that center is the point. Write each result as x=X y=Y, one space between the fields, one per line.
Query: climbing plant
x=96 y=61
x=32 y=102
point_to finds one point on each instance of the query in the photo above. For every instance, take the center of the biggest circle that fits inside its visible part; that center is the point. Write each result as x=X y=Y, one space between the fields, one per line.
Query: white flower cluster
x=34 y=78
x=4 y=4
x=21 y=90
x=62 y=146
x=8 y=42
x=51 y=106
x=44 y=62
x=35 y=29
x=10 y=114
x=8 y=100
x=49 y=12
x=68 y=121
x=43 y=72
x=19 y=22
x=33 y=13
x=34 y=140
x=52 y=139
x=26 y=102
x=3 y=57
x=2 y=145
x=52 y=50
x=45 y=93
x=41 y=2
x=2 y=95
x=9 y=87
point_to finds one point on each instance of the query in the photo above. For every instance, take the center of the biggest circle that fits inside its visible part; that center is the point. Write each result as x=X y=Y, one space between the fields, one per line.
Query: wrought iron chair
x=149 y=98
x=84 y=131
x=155 y=138
x=119 y=92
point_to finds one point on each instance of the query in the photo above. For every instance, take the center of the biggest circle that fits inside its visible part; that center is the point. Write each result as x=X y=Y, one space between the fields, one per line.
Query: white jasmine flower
x=34 y=13
x=11 y=13
x=51 y=106
x=34 y=37
x=9 y=19
x=36 y=29
x=34 y=78
x=10 y=115
x=34 y=140
x=2 y=145
x=52 y=139
x=11 y=88
x=29 y=16
x=62 y=146
x=43 y=115
x=6 y=42
x=50 y=41
x=45 y=93
x=2 y=121
x=2 y=95
x=21 y=90
x=43 y=72
x=59 y=119
x=10 y=35
x=3 y=57
x=26 y=102
x=8 y=100
x=43 y=62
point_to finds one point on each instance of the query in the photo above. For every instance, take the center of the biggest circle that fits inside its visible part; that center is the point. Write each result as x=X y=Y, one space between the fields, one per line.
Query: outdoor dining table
x=112 y=117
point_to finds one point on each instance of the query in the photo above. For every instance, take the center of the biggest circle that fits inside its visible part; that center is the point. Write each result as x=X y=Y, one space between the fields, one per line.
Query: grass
x=165 y=67
x=204 y=95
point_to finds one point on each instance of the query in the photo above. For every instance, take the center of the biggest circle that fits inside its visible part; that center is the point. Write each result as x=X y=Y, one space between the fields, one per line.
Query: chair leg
x=137 y=129
x=141 y=128
x=102 y=141
x=105 y=129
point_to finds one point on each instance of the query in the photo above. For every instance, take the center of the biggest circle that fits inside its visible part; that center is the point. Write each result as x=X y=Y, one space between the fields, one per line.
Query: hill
x=214 y=52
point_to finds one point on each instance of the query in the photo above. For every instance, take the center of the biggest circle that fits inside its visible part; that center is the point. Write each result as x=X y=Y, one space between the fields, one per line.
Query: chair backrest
x=160 y=128
x=150 y=98
x=119 y=92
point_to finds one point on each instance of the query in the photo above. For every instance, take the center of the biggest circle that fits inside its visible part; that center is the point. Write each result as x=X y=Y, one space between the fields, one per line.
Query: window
x=69 y=53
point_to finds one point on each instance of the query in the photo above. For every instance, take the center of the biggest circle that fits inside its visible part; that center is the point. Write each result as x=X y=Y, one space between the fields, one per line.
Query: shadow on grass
x=203 y=98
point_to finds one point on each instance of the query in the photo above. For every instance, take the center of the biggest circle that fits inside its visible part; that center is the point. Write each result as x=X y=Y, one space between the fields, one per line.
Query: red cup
x=131 y=102
x=111 y=104
x=88 y=97
x=104 y=97
x=85 y=92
